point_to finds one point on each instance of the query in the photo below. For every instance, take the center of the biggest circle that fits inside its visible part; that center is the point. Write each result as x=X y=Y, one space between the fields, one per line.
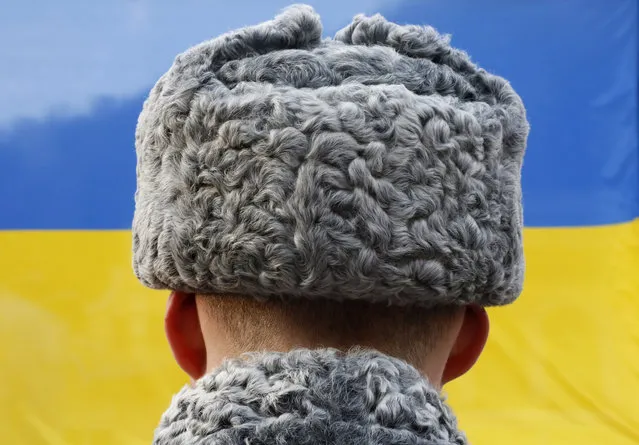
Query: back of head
x=351 y=184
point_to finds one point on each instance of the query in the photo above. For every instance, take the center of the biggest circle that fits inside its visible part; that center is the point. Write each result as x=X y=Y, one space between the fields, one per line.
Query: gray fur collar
x=310 y=397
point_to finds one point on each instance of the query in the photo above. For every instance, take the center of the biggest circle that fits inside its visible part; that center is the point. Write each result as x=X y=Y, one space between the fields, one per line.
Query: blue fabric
x=574 y=62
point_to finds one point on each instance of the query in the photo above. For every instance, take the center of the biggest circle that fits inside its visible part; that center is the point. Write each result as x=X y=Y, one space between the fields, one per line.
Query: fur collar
x=310 y=397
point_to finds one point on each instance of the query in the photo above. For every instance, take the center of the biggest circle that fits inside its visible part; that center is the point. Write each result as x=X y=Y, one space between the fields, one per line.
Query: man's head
x=442 y=342
x=364 y=180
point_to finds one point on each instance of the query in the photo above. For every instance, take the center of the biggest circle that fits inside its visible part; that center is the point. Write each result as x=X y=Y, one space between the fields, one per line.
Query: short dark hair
x=404 y=332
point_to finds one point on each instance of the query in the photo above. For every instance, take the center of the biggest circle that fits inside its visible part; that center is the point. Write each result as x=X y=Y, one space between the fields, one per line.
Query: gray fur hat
x=379 y=165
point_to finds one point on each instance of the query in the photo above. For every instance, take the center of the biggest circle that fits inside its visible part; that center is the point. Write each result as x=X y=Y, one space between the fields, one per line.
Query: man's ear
x=182 y=327
x=469 y=343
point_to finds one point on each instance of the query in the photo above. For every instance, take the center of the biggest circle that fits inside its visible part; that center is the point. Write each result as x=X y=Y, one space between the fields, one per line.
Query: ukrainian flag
x=83 y=357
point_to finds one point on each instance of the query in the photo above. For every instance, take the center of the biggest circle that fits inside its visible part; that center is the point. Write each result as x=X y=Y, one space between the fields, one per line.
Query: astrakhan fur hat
x=378 y=165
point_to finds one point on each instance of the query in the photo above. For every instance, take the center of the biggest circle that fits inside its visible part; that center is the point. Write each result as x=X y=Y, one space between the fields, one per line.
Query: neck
x=284 y=327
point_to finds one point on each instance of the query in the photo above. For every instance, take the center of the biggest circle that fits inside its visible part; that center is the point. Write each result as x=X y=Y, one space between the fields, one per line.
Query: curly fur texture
x=379 y=165
x=310 y=397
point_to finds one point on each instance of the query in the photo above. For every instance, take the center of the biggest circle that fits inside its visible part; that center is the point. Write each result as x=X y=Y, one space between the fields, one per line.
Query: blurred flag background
x=83 y=358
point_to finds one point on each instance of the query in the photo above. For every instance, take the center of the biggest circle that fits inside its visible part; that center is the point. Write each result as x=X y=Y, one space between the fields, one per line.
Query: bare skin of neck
x=283 y=331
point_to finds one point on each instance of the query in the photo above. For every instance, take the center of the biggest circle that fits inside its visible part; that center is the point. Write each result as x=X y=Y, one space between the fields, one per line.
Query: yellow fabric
x=84 y=361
